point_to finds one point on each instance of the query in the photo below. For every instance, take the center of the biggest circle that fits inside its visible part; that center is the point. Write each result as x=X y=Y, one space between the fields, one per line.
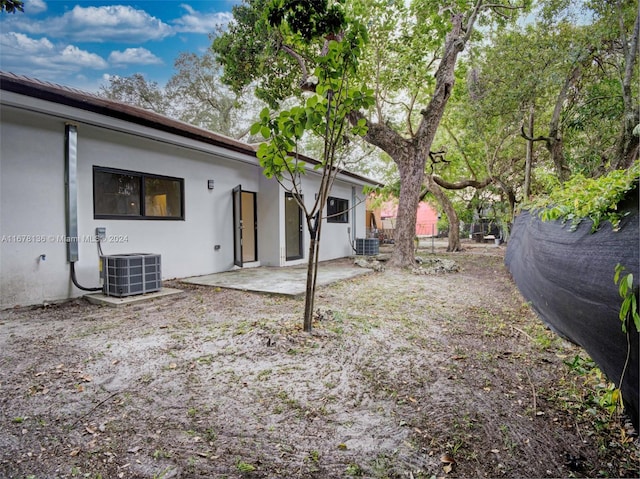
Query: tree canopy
x=410 y=65
x=194 y=94
x=11 y=6
x=476 y=104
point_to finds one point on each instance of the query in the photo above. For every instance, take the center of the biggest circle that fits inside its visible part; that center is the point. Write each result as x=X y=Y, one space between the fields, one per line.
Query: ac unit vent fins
x=131 y=274
x=367 y=246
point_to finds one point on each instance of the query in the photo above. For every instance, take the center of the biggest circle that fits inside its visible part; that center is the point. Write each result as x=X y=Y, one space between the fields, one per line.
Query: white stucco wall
x=32 y=202
x=187 y=247
x=32 y=199
x=335 y=238
x=32 y=214
x=268 y=208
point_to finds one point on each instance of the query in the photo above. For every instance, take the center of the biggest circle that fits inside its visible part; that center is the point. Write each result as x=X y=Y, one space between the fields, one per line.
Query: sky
x=82 y=44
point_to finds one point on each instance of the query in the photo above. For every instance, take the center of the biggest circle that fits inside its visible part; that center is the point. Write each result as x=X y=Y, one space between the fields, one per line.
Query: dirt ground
x=405 y=376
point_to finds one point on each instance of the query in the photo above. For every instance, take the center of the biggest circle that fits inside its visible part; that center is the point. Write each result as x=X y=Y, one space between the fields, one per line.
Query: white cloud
x=135 y=56
x=100 y=24
x=34 y=6
x=198 y=22
x=41 y=57
x=19 y=44
x=72 y=55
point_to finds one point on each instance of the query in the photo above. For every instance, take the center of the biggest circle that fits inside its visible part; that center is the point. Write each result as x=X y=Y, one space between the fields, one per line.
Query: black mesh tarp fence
x=567 y=276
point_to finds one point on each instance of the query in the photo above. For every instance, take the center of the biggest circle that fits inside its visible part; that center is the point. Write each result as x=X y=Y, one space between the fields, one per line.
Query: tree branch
x=496 y=6
x=524 y=135
x=380 y=135
x=303 y=67
x=462 y=152
x=471 y=21
x=459 y=185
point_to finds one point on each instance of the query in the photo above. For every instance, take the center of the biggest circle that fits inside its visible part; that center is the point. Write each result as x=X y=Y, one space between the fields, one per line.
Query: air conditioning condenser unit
x=367 y=246
x=131 y=274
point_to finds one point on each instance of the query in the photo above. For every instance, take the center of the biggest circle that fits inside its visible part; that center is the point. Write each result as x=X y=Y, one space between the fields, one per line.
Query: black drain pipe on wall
x=71 y=190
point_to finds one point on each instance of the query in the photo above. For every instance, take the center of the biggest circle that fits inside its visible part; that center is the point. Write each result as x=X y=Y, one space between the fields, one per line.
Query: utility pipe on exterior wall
x=71 y=190
x=353 y=216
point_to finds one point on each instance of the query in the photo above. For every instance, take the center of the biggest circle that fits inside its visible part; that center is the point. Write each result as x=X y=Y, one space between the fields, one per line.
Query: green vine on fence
x=629 y=306
x=628 y=309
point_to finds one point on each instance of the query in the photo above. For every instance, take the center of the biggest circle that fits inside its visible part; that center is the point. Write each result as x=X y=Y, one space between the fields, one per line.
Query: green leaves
x=307 y=18
x=360 y=129
x=261 y=128
x=324 y=114
x=265 y=115
x=11 y=6
x=595 y=199
x=629 y=306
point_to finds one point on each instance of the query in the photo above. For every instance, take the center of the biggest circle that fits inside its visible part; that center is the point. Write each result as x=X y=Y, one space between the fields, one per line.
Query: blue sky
x=82 y=43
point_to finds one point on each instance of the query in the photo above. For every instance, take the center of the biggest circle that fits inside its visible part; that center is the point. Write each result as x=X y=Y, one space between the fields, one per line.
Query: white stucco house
x=73 y=165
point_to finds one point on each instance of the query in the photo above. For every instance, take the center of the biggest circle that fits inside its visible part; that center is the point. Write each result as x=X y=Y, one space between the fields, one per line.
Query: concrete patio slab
x=288 y=281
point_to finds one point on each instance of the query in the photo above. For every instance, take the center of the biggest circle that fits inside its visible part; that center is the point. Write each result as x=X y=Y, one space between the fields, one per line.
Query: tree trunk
x=511 y=197
x=628 y=143
x=410 y=155
x=310 y=293
x=556 y=151
x=555 y=143
x=435 y=185
x=454 y=223
x=411 y=179
x=411 y=167
x=528 y=158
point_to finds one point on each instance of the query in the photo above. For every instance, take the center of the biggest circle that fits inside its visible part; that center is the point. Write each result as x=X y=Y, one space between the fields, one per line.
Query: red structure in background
x=383 y=219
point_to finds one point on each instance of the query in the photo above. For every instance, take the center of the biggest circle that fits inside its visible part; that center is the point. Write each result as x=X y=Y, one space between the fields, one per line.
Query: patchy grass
x=400 y=371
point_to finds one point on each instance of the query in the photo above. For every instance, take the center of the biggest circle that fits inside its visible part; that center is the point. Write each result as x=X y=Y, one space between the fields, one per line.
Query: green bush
x=593 y=198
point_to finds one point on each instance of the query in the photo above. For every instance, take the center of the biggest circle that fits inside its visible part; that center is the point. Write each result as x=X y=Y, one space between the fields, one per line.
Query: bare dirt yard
x=405 y=376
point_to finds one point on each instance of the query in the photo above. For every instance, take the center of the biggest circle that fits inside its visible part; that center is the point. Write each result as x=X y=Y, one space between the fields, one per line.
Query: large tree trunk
x=412 y=172
x=411 y=179
x=410 y=155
